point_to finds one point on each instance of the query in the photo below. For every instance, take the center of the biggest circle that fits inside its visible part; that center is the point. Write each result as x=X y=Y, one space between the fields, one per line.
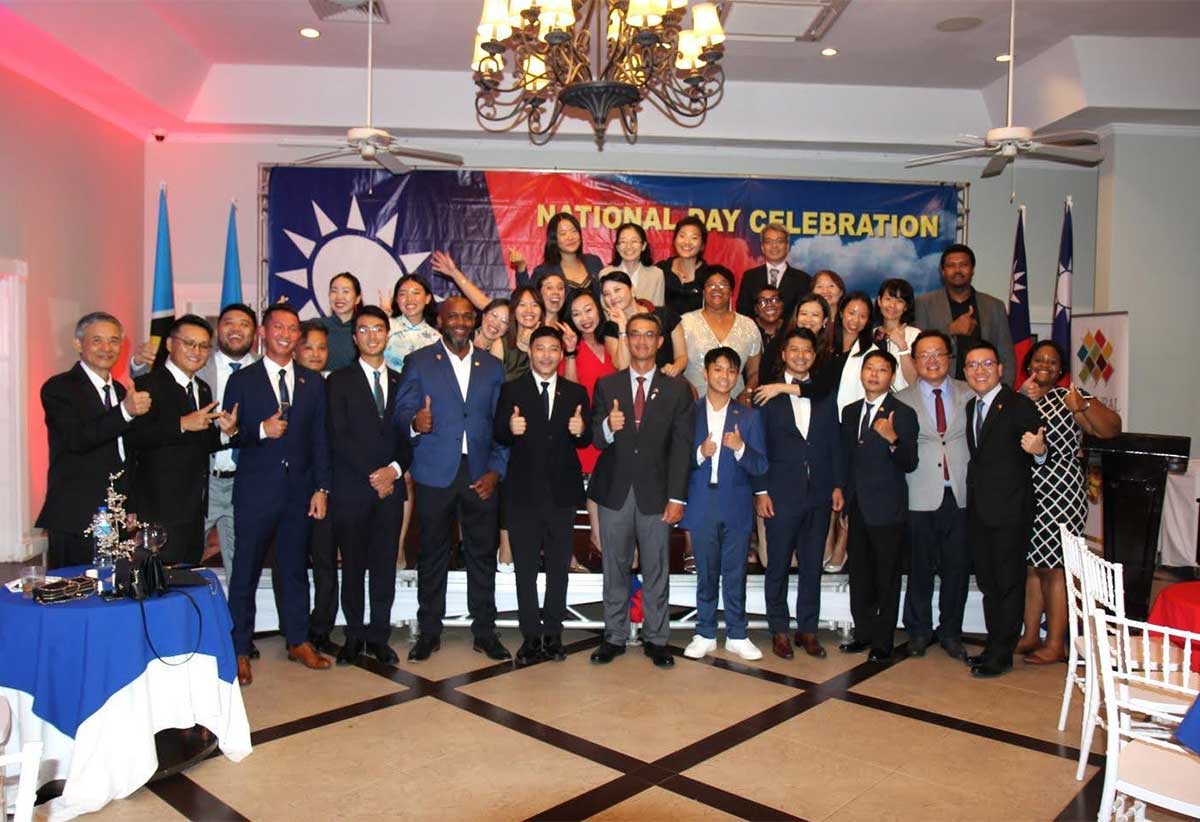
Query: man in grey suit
x=963 y=313
x=937 y=498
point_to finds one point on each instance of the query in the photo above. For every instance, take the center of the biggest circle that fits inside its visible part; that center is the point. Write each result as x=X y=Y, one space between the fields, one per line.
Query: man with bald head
x=446 y=404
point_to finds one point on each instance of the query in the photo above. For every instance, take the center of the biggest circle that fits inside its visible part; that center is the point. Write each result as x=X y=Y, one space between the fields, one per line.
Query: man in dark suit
x=282 y=482
x=965 y=314
x=173 y=441
x=88 y=418
x=804 y=480
x=541 y=418
x=642 y=422
x=729 y=453
x=791 y=282
x=879 y=441
x=446 y=403
x=1005 y=435
x=368 y=492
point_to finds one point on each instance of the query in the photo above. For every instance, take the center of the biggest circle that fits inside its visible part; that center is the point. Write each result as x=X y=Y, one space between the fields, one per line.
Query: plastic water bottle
x=102 y=561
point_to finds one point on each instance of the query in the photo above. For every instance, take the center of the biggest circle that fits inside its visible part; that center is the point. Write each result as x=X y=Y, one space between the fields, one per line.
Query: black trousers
x=185 y=541
x=435 y=509
x=939 y=546
x=66 y=549
x=999 y=554
x=367 y=531
x=542 y=530
x=874 y=555
x=323 y=554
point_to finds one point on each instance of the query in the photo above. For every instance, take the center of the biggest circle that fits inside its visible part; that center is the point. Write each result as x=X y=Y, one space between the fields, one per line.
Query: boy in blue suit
x=720 y=511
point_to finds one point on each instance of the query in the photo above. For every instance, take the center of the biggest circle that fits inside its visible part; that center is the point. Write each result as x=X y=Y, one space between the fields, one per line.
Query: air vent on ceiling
x=348 y=11
x=802 y=21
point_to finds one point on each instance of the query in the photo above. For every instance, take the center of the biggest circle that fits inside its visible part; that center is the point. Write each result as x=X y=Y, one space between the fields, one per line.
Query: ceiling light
x=309 y=33
x=958 y=24
x=828 y=52
x=1003 y=58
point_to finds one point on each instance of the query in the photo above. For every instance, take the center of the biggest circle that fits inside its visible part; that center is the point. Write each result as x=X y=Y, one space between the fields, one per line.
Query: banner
x=1099 y=363
x=322 y=221
x=1018 y=302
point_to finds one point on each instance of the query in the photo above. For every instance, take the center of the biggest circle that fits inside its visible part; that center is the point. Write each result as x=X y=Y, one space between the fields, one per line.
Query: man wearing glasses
x=937 y=499
x=775 y=272
x=173 y=441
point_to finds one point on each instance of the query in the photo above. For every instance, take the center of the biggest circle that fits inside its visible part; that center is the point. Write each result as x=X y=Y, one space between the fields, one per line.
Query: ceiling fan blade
x=313 y=142
x=1078 y=155
x=995 y=165
x=970 y=140
x=391 y=162
x=327 y=155
x=426 y=154
x=948 y=156
x=1068 y=137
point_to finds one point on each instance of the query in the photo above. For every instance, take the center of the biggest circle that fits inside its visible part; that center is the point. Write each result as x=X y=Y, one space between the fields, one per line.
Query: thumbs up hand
x=275 y=426
x=575 y=424
x=616 y=418
x=884 y=427
x=1034 y=443
x=733 y=439
x=965 y=325
x=423 y=421
x=708 y=447
x=516 y=423
x=137 y=402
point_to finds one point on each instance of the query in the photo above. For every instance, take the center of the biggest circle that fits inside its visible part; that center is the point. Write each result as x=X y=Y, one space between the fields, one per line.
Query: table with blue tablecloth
x=1188 y=732
x=84 y=678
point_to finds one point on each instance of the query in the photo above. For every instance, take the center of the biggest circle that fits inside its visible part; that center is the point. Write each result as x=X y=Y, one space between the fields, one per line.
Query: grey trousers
x=220 y=513
x=621 y=531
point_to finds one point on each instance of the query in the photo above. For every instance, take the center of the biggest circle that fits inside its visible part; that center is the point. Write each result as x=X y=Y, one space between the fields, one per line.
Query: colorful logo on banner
x=322 y=221
x=1095 y=357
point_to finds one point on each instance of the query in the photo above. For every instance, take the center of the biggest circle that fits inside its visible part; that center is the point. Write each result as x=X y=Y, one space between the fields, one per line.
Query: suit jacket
x=1000 y=474
x=653 y=460
x=82 y=436
x=933 y=311
x=365 y=442
x=794 y=284
x=733 y=498
x=802 y=471
x=209 y=374
x=171 y=481
x=436 y=455
x=297 y=463
x=543 y=461
x=875 y=471
x=926 y=485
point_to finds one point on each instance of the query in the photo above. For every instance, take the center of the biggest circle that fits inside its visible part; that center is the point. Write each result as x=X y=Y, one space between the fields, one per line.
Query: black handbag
x=141 y=576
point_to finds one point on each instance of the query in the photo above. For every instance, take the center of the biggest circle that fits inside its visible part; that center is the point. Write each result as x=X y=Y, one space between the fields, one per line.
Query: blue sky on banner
x=377 y=226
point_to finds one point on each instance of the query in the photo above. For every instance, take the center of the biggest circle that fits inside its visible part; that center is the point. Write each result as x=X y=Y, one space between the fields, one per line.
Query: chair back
x=1104 y=582
x=1077 y=603
x=29 y=760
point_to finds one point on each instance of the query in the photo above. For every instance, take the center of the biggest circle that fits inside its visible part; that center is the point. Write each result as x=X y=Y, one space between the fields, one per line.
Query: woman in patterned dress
x=1059 y=495
x=717 y=324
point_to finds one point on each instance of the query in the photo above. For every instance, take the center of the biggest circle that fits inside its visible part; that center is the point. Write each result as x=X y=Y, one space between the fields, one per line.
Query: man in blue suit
x=446 y=404
x=803 y=481
x=720 y=511
x=282 y=482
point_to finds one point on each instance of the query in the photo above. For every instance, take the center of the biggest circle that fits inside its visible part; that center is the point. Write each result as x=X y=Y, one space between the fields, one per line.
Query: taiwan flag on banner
x=1018 y=301
x=1062 y=292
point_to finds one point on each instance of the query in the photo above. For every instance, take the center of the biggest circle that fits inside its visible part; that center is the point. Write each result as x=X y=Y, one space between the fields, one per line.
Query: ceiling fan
x=370 y=142
x=1004 y=144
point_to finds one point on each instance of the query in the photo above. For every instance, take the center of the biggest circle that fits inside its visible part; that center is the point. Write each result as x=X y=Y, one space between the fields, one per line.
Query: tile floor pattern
x=462 y=738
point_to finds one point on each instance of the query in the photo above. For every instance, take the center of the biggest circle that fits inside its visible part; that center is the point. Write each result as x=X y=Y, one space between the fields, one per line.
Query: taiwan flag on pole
x=1018 y=301
x=1062 y=292
x=162 y=308
x=231 y=281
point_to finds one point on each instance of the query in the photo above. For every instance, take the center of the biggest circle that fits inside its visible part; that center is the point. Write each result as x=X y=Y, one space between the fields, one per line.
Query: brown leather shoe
x=810 y=644
x=245 y=675
x=781 y=646
x=305 y=653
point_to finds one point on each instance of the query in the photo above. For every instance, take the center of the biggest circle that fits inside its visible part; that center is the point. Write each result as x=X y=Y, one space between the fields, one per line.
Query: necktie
x=546 y=398
x=639 y=402
x=285 y=399
x=233 y=452
x=191 y=392
x=773 y=277
x=980 y=411
x=378 y=390
x=108 y=396
x=940 y=411
x=865 y=426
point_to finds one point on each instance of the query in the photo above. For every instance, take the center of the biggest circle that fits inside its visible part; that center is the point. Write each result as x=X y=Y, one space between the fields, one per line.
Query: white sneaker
x=504 y=567
x=699 y=646
x=743 y=648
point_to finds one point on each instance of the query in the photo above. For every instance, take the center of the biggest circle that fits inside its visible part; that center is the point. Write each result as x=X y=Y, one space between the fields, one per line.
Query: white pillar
x=16 y=540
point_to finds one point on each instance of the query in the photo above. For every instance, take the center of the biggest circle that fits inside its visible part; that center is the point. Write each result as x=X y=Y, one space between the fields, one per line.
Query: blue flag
x=1018 y=300
x=1061 y=333
x=162 y=308
x=231 y=282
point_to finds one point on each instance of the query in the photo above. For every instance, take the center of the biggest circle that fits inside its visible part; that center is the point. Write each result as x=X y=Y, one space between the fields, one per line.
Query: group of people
x=832 y=422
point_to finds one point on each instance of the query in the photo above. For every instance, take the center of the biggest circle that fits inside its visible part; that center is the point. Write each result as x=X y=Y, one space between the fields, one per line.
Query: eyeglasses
x=930 y=356
x=642 y=335
x=717 y=285
x=775 y=241
x=978 y=364
x=193 y=345
x=370 y=329
x=769 y=301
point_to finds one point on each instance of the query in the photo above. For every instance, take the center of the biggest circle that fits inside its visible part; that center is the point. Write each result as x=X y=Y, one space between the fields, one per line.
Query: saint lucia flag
x=1062 y=292
x=231 y=282
x=1018 y=301
x=162 y=310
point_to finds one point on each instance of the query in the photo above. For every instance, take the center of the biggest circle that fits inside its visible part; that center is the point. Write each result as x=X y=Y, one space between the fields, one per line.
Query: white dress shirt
x=289 y=378
x=869 y=410
x=716 y=432
x=99 y=384
x=382 y=371
x=538 y=379
x=801 y=408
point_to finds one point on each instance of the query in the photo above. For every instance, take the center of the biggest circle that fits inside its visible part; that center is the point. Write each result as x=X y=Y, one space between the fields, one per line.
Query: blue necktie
x=980 y=410
x=285 y=399
x=378 y=396
x=233 y=453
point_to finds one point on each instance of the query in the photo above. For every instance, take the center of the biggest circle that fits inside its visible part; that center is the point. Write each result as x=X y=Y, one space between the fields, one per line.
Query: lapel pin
x=302 y=380
x=476 y=363
x=439 y=356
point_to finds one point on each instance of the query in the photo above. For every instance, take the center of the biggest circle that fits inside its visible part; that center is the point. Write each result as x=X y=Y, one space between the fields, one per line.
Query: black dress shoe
x=879 y=656
x=383 y=652
x=976 y=659
x=990 y=669
x=425 y=646
x=660 y=655
x=954 y=649
x=323 y=643
x=492 y=648
x=552 y=648
x=917 y=646
x=606 y=652
x=529 y=652
x=856 y=646
x=350 y=651
x=254 y=654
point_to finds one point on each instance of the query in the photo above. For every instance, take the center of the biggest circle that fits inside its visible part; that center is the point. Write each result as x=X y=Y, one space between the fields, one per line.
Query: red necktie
x=639 y=402
x=940 y=410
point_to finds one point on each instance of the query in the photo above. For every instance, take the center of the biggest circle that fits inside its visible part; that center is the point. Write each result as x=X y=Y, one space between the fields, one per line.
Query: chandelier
x=604 y=57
